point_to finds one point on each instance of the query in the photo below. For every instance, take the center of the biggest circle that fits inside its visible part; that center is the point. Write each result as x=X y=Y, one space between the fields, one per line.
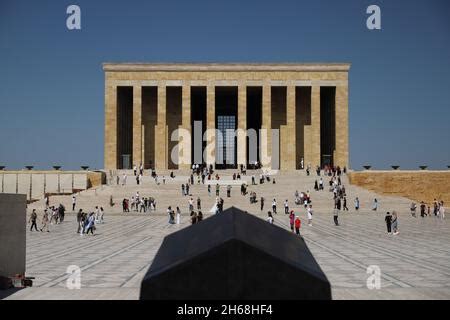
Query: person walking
x=228 y=191
x=209 y=190
x=356 y=204
x=395 y=223
x=335 y=216
x=345 y=205
x=286 y=207
x=388 y=220
x=298 y=224
x=45 y=221
x=74 y=201
x=274 y=206
x=262 y=203
x=217 y=189
x=310 y=214
x=90 y=226
x=33 y=218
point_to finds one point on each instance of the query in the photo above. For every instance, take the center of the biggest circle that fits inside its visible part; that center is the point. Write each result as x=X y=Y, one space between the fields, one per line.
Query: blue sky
x=52 y=84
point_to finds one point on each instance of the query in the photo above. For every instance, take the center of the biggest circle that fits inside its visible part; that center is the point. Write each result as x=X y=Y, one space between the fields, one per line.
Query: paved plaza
x=414 y=264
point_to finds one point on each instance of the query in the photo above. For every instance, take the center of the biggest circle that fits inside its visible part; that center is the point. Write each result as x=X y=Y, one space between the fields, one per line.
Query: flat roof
x=342 y=67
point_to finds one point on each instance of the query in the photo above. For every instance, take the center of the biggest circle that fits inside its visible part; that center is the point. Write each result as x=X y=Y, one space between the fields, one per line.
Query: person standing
x=286 y=207
x=135 y=170
x=102 y=213
x=209 y=190
x=79 y=218
x=274 y=206
x=228 y=191
x=74 y=201
x=199 y=216
x=292 y=220
x=269 y=217
x=199 y=204
x=388 y=220
x=178 y=215
x=33 y=218
x=442 y=210
x=422 y=209
x=335 y=216
x=356 y=204
x=412 y=208
x=395 y=223
x=191 y=204
x=310 y=214
x=193 y=217
x=47 y=201
x=375 y=204
x=262 y=203
x=217 y=189
x=298 y=224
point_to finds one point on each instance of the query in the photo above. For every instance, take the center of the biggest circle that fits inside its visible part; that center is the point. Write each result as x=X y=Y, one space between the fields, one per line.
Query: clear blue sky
x=52 y=84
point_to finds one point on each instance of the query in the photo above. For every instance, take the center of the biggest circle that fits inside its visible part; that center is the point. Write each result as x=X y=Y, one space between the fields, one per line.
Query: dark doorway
x=303 y=119
x=327 y=125
x=173 y=120
x=198 y=114
x=149 y=121
x=254 y=121
x=226 y=116
x=124 y=127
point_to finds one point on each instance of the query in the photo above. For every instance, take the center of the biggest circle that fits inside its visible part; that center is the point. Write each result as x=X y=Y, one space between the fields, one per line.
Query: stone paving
x=414 y=264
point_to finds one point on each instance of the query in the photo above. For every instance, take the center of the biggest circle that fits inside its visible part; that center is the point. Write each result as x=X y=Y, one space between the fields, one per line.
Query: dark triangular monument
x=234 y=255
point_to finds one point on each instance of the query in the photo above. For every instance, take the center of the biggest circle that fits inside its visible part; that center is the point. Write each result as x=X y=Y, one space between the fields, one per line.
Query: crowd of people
x=86 y=221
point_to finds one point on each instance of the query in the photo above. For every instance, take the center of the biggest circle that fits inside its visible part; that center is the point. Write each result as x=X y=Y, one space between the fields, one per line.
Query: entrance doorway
x=226 y=122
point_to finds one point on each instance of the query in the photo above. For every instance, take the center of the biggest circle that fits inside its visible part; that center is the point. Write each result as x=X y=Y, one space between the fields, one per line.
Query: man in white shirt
x=74 y=200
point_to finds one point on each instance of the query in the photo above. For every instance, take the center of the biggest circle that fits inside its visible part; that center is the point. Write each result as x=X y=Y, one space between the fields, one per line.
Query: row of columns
x=287 y=134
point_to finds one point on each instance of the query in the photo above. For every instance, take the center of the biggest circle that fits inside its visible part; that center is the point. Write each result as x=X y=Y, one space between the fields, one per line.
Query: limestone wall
x=420 y=185
x=34 y=184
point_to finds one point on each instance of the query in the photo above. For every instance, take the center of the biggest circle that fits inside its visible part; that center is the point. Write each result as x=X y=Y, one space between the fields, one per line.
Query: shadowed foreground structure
x=234 y=255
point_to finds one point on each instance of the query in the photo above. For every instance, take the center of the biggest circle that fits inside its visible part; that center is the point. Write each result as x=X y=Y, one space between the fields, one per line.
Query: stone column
x=210 y=125
x=266 y=125
x=314 y=157
x=137 y=125
x=288 y=154
x=341 y=125
x=161 y=131
x=242 y=126
x=110 y=160
x=185 y=131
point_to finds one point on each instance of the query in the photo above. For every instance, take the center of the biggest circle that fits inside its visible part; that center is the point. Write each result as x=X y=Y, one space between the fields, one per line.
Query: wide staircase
x=169 y=193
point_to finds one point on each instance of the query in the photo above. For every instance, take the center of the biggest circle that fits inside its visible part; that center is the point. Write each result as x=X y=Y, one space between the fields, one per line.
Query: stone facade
x=241 y=76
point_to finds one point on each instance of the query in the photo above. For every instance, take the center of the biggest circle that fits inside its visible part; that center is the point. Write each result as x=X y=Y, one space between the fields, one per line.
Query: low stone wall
x=420 y=185
x=35 y=183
